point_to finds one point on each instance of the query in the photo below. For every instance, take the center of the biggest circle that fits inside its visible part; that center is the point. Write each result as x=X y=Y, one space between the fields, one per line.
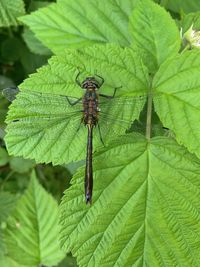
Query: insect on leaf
x=43 y=123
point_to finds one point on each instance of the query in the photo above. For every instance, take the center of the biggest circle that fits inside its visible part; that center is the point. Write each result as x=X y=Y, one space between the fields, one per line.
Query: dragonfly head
x=90 y=82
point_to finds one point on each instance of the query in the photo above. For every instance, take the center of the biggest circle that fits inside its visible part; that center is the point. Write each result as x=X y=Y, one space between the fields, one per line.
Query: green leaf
x=179 y=5
x=21 y=165
x=46 y=127
x=68 y=261
x=34 y=44
x=145 y=209
x=35 y=5
x=31 y=234
x=7 y=204
x=155 y=33
x=191 y=19
x=11 y=49
x=32 y=61
x=5 y=82
x=2 y=247
x=8 y=262
x=9 y=11
x=178 y=83
x=4 y=158
x=81 y=23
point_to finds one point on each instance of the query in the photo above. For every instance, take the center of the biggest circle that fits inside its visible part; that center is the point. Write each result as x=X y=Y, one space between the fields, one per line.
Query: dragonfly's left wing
x=45 y=127
x=10 y=93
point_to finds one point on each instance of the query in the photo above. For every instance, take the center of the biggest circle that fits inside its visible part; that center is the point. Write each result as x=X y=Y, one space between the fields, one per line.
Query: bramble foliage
x=145 y=209
x=34 y=218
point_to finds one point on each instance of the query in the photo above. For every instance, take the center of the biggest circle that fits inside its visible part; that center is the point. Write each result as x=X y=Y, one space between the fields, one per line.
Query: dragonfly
x=93 y=109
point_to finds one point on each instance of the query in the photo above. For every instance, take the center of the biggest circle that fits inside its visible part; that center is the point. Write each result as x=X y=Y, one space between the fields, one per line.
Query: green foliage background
x=145 y=209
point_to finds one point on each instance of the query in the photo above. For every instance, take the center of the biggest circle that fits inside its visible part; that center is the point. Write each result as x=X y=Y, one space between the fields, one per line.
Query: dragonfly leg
x=79 y=125
x=101 y=78
x=75 y=102
x=111 y=96
x=100 y=134
x=77 y=80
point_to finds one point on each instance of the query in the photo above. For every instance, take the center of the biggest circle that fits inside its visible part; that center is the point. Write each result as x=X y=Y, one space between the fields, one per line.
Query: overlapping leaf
x=34 y=44
x=81 y=23
x=155 y=33
x=9 y=11
x=192 y=19
x=32 y=230
x=4 y=158
x=179 y=5
x=43 y=127
x=145 y=209
x=178 y=81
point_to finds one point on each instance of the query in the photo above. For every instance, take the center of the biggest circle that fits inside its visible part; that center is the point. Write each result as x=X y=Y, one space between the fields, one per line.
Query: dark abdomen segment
x=90 y=107
x=88 y=168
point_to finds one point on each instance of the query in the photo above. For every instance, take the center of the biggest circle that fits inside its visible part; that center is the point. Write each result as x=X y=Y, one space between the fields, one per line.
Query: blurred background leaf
x=9 y=11
x=179 y=6
x=32 y=231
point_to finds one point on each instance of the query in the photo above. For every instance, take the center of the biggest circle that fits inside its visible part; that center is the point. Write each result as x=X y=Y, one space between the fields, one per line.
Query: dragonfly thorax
x=90 y=107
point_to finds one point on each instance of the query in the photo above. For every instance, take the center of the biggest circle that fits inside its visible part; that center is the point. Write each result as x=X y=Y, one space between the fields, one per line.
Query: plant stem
x=149 y=115
x=185 y=48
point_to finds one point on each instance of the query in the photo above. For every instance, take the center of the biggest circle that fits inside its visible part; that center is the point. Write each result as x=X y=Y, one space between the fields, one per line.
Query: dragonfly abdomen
x=90 y=107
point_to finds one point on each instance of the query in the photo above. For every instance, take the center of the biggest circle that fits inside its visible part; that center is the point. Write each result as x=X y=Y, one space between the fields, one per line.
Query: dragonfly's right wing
x=118 y=114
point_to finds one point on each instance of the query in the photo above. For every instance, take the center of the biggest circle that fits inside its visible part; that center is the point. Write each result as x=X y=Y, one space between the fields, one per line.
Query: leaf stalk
x=149 y=115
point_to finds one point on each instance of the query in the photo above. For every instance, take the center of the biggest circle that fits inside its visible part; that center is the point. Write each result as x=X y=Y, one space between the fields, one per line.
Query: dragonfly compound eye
x=90 y=82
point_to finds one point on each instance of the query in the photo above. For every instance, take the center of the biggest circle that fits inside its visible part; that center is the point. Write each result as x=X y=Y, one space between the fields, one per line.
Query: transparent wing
x=117 y=115
x=42 y=126
x=44 y=112
x=10 y=93
x=49 y=126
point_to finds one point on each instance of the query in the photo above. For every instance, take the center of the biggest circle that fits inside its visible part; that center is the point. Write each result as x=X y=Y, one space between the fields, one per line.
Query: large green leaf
x=9 y=11
x=31 y=234
x=145 y=209
x=178 y=81
x=81 y=23
x=45 y=126
x=155 y=33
